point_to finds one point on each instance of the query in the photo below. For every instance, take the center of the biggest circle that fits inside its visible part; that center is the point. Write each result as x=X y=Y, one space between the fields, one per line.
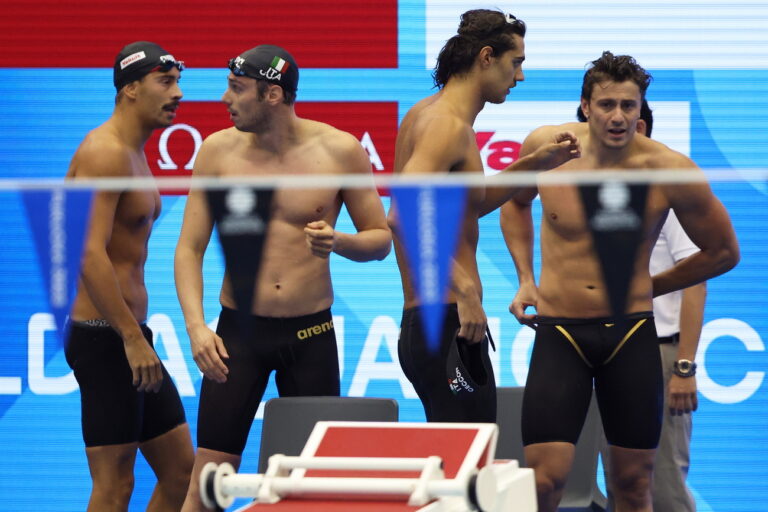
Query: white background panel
x=706 y=34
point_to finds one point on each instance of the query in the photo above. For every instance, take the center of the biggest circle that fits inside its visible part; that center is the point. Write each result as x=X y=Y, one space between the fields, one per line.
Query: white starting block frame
x=435 y=467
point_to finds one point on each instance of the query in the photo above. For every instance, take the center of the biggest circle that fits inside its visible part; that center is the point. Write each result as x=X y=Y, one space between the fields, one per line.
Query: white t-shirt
x=672 y=246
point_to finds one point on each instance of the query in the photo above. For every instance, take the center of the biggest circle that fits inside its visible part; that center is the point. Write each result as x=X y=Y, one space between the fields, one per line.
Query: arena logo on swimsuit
x=314 y=330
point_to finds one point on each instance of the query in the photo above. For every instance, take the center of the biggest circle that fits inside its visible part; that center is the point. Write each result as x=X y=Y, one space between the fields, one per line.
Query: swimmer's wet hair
x=478 y=28
x=616 y=68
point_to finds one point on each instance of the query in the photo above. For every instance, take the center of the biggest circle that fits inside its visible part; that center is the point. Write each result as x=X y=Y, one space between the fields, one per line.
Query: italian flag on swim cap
x=279 y=64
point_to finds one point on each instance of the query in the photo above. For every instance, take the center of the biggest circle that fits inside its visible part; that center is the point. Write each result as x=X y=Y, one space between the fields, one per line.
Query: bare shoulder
x=218 y=144
x=331 y=137
x=414 y=113
x=542 y=132
x=438 y=140
x=101 y=154
x=660 y=156
x=438 y=130
x=443 y=126
x=573 y=126
x=546 y=133
x=342 y=146
x=223 y=140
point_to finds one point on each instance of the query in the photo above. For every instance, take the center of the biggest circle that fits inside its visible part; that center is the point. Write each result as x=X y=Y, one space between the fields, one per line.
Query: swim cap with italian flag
x=270 y=63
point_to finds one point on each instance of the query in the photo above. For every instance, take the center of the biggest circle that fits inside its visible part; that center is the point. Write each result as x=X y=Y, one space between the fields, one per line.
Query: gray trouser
x=670 y=494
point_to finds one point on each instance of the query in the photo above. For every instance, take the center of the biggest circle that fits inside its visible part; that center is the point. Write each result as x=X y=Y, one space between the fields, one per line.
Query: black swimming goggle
x=512 y=20
x=167 y=63
x=234 y=66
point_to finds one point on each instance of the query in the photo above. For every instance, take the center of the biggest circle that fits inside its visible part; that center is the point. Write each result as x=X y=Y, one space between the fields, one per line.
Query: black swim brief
x=621 y=360
x=455 y=383
x=113 y=411
x=301 y=350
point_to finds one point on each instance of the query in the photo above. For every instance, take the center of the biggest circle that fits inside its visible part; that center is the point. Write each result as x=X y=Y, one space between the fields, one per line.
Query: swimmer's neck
x=464 y=96
x=280 y=131
x=128 y=127
x=603 y=157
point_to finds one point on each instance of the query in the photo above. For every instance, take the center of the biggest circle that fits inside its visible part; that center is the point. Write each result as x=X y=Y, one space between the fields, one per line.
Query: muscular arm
x=682 y=396
x=517 y=227
x=98 y=272
x=188 y=259
x=373 y=239
x=544 y=149
x=691 y=320
x=207 y=347
x=707 y=224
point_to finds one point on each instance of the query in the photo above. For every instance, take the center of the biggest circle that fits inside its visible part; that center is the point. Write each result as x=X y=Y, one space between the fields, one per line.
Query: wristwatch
x=684 y=368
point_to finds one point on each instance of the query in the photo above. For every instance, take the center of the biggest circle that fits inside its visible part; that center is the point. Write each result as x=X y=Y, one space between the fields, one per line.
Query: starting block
x=392 y=467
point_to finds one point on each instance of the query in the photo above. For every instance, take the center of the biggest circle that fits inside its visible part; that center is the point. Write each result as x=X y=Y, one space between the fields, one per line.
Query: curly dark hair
x=478 y=28
x=617 y=68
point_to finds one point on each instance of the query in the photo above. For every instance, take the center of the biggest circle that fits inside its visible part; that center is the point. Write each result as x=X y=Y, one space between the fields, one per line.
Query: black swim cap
x=270 y=63
x=139 y=59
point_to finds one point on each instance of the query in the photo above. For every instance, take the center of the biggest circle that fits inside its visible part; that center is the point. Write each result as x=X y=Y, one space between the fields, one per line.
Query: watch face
x=685 y=368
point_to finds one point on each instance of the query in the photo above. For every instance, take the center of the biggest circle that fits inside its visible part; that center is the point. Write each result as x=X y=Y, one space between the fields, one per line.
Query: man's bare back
x=426 y=120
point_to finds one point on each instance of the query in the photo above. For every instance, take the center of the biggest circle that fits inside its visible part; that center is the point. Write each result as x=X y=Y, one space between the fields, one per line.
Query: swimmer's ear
x=585 y=107
x=484 y=56
x=641 y=127
x=275 y=94
x=130 y=90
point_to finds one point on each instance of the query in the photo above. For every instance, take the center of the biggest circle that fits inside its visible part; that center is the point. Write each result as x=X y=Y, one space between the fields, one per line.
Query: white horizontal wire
x=469 y=179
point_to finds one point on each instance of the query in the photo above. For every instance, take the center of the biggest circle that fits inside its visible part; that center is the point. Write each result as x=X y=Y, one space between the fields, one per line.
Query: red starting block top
x=463 y=447
x=296 y=505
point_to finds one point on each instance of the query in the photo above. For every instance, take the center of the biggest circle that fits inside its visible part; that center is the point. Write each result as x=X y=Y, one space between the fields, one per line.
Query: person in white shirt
x=679 y=316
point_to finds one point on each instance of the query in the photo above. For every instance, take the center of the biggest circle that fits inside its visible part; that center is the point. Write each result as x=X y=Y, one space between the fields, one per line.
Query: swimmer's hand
x=321 y=238
x=472 y=319
x=208 y=350
x=145 y=365
x=527 y=295
x=563 y=147
x=681 y=395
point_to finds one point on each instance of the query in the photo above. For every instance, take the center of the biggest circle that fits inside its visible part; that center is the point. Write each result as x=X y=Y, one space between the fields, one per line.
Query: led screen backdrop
x=362 y=66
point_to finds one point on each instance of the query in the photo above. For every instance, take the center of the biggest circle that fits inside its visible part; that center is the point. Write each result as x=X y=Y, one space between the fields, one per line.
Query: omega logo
x=167 y=163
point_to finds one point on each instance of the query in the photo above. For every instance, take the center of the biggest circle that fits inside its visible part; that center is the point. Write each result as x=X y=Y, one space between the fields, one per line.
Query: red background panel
x=89 y=33
x=205 y=117
x=378 y=119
